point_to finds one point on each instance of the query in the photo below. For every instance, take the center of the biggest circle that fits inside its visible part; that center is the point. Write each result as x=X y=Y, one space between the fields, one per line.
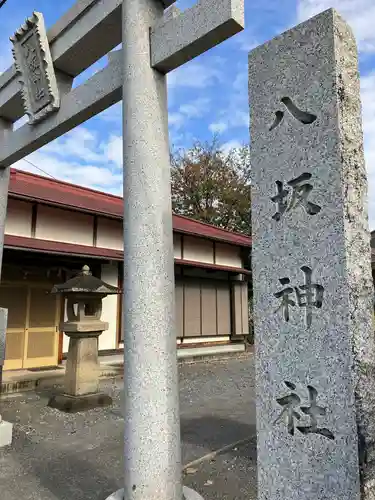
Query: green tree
x=213 y=186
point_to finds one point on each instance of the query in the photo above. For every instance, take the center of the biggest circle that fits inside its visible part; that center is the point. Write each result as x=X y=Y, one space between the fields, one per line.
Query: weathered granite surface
x=314 y=339
x=174 y=40
x=152 y=450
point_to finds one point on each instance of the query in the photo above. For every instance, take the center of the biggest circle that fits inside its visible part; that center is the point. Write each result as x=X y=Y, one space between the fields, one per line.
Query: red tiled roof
x=58 y=247
x=214 y=267
x=50 y=191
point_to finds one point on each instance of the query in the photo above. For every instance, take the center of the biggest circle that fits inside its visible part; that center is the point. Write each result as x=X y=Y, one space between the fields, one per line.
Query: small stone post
x=6 y=428
x=313 y=290
x=84 y=306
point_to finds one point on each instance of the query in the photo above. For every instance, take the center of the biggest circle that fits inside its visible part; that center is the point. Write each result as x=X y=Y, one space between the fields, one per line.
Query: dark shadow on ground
x=86 y=475
x=210 y=433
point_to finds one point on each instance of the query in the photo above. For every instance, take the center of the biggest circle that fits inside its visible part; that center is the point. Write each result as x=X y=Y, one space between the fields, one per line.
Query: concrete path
x=79 y=457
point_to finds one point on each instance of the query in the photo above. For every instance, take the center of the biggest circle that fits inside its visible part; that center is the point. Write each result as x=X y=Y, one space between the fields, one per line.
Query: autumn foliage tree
x=213 y=186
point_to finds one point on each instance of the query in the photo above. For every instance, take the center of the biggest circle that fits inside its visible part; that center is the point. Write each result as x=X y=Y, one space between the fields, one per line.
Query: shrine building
x=54 y=228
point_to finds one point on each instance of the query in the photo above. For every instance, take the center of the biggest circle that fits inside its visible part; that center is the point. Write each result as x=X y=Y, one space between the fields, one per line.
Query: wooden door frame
x=29 y=285
x=39 y=361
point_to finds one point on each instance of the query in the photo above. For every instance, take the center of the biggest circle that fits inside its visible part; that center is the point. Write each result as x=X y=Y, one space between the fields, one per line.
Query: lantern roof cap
x=85 y=283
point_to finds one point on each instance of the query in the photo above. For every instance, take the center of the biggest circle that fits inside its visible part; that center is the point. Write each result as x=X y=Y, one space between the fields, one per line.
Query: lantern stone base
x=187 y=494
x=82 y=375
x=6 y=430
x=82 y=366
x=74 y=404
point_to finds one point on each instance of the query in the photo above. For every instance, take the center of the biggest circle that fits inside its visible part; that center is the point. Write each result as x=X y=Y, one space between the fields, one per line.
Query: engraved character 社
x=291 y=405
x=314 y=411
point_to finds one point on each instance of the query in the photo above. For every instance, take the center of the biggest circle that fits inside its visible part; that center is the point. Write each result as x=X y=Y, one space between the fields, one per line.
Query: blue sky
x=206 y=96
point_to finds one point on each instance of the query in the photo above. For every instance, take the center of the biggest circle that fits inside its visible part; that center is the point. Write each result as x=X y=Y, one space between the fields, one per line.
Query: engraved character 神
x=309 y=295
x=286 y=301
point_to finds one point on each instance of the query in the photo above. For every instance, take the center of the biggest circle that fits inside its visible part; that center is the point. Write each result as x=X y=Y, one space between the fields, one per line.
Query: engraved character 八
x=302 y=116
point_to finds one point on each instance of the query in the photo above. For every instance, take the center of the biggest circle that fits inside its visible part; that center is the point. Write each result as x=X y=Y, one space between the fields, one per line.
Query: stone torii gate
x=156 y=38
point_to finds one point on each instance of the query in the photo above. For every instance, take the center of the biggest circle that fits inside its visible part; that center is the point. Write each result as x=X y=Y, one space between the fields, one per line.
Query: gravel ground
x=55 y=456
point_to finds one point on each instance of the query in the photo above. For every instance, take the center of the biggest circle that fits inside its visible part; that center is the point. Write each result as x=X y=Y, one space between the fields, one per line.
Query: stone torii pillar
x=153 y=44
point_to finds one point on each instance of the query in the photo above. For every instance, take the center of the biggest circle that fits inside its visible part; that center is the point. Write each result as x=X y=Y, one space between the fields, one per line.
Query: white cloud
x=98 y=177
x=114 y=150
x=176 y=120
x=81 y=158
x=360 y=14
x=234 y=114
x=194 y=75
x=196 y=108
x=113 y=114
x=81 y=143
x=246 y=40
x=218 y=127
x=191 y=110
x=228 y=146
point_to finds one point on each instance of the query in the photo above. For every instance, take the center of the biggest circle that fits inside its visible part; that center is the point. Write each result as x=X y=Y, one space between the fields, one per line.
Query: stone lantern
x=84 y=294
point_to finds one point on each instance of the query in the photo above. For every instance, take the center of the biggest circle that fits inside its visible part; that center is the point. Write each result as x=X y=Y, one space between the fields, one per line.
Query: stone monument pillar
x=6 y=428
x=84 y=306
x=313 y=289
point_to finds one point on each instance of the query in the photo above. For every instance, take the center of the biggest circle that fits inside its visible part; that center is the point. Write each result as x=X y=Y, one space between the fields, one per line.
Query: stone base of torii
x=188 y=494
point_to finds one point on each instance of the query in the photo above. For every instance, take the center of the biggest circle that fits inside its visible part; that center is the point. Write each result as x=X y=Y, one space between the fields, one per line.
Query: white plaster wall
x=228 y=255
x=177 y=248
x=108 y=339
x=110 y=233
x=198 y=250
x=62 y=225
x=18 y=219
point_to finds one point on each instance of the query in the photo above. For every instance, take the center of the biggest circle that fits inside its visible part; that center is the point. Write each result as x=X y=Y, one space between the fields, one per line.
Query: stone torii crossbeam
x=156 y=38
